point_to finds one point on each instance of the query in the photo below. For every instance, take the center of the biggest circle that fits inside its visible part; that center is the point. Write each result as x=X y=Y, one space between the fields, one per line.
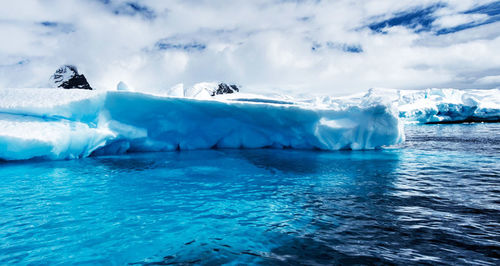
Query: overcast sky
x=317 y=47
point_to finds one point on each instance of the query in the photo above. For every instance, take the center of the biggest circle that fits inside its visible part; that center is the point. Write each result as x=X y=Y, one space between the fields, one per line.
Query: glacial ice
x=66 y=124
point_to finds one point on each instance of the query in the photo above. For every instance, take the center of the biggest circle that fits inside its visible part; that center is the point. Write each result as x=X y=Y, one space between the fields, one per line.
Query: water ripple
x=433 y=201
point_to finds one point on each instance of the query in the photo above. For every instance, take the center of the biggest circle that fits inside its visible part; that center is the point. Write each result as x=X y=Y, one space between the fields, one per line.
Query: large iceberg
x=66 y=124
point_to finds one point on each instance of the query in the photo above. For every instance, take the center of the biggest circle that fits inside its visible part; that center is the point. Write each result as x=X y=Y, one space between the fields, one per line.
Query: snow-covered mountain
x=67 y=77
x=203 y=90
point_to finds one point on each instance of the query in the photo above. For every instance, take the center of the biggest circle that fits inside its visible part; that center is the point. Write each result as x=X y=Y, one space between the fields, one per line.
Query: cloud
x=312 y=47
x=490 y=80
x=419 y=19
x=456 y=20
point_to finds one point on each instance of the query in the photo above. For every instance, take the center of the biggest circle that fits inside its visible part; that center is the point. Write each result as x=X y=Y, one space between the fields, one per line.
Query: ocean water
x=435 y=199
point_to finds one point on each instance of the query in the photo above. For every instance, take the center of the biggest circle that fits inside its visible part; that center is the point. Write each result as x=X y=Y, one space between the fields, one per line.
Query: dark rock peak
x=77 y=82
x=67 y=77
x=224 y=88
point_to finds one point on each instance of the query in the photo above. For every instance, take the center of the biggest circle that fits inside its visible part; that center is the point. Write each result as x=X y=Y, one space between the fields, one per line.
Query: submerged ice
x=62 y=124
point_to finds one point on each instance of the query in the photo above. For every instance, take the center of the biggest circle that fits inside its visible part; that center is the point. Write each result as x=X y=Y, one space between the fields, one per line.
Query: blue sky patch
x=305 y=18
x=58 y=26
x=188 y=47
x=50 y=24
x=348 y=48
x=23 y=62
x=133 y=9
x=492 y=10
x=316 y=46
x=419 y=19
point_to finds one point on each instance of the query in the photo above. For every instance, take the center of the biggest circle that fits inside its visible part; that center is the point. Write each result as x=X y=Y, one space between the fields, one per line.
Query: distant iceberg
x=450 y=105
x=429 y=106
x=68 y=124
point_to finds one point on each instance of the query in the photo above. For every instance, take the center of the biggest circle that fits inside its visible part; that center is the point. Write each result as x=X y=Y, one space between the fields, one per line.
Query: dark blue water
x=434 y=200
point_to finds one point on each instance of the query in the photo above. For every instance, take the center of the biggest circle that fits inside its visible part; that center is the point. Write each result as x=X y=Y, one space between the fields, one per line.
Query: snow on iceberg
x=202 y=90
x=62 y=124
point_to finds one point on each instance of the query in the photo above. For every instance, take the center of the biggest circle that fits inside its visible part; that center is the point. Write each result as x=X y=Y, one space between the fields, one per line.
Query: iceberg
x=449 y=105
x=430 y=106
x=67 y=124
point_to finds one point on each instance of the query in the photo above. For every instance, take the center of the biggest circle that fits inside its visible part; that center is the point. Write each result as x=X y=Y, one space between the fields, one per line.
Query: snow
x=203 y=90
x=76 y=105
x=176 y=91
x=67 y=124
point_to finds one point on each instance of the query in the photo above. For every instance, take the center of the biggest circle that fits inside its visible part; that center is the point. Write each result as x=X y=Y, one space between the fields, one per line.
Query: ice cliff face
x=67 y=77
x=66 y=124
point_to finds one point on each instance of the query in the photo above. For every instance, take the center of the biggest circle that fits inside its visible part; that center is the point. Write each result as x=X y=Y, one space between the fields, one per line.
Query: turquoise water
x=435 y=199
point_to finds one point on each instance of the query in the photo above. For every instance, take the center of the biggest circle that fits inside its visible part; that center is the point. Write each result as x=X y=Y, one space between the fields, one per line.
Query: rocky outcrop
x=67 y=77
x=224 y=88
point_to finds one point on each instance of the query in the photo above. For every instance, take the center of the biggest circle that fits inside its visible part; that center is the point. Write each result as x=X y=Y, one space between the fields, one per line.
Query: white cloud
x=490 y=80
x=459 y=19
x=262 y=45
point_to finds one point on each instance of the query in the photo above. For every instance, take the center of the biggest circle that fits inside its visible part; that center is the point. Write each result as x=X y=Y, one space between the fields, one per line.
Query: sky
x=288 y=46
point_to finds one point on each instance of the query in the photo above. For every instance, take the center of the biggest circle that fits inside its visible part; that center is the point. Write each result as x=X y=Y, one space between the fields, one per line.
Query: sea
x=433 y=200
